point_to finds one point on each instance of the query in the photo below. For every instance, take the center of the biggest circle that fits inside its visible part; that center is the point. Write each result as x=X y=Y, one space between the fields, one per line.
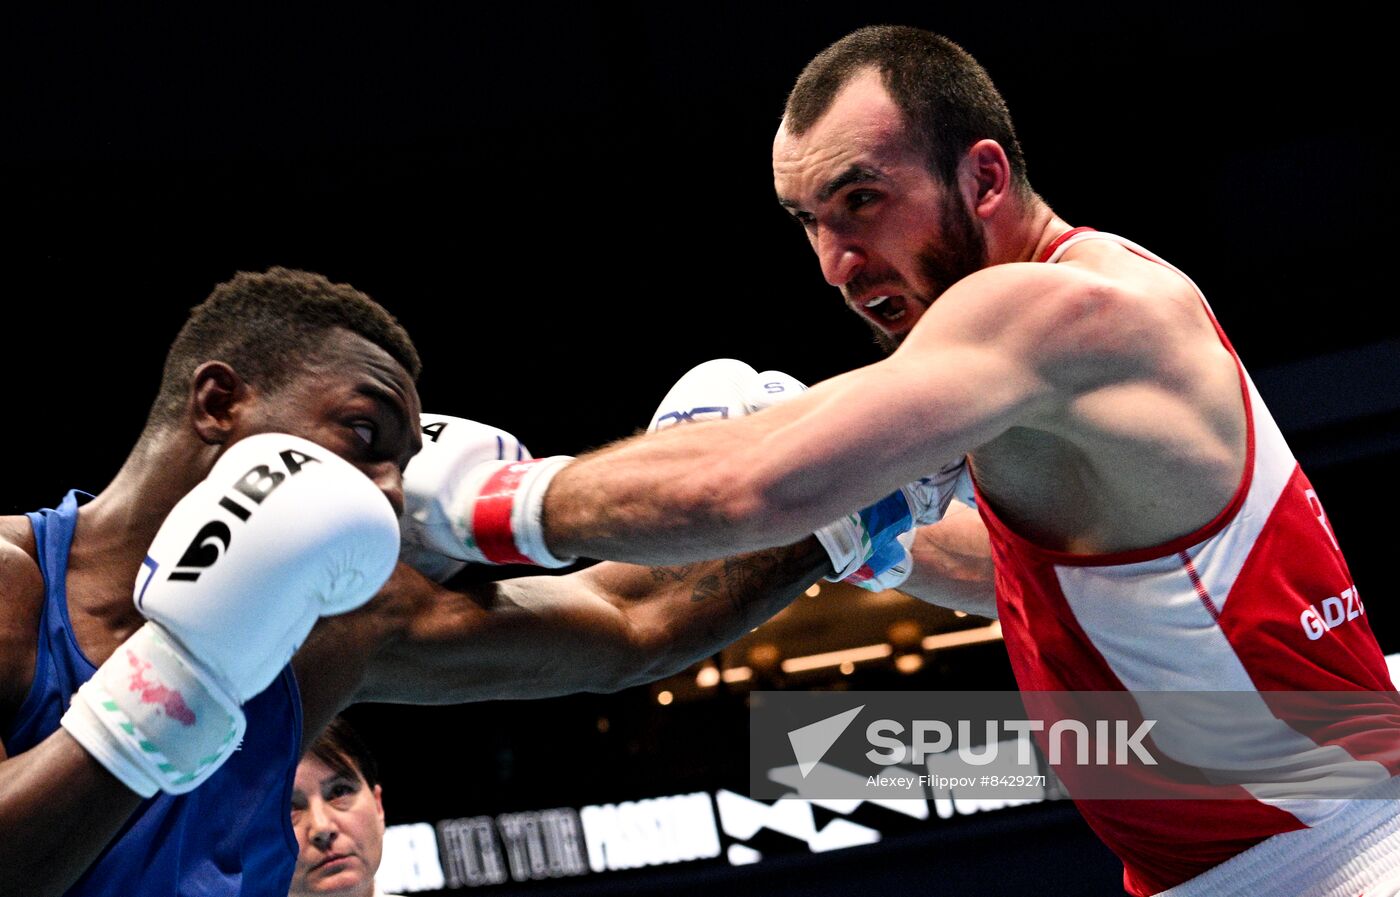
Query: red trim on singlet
x=1199 y=586
x=1181 y=543
x=1055 y=243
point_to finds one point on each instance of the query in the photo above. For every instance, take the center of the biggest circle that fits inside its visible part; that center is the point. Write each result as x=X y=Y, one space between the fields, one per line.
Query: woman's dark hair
x=341 y=748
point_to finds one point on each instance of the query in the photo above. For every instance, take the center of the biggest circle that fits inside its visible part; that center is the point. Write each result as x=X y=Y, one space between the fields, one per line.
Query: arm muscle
x=600 y=629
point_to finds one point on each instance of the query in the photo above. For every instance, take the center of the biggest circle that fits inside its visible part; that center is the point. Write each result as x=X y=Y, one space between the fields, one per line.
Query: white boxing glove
x=721 y=389
x=725 y=388
x=490 y=510
x=281 y=533
x=452 y=447
x=474 y=495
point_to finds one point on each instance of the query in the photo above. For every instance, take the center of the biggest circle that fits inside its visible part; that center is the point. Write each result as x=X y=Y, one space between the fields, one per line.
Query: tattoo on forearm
x=707 y=587
x=744 y=576
x=759 y=576
x=679 y=573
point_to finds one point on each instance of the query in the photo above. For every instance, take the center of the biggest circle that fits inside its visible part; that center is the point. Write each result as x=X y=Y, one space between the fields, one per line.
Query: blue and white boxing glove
x=888 y=567
x=934 y=493
x=863 y=547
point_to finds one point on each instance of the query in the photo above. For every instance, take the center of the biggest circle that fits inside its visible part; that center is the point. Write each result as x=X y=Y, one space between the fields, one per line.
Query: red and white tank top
x=1258 y=600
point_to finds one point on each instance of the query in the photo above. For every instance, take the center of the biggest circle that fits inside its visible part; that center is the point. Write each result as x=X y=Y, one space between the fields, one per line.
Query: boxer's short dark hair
x=269 y=326
x=343 y=751
x=947 y=99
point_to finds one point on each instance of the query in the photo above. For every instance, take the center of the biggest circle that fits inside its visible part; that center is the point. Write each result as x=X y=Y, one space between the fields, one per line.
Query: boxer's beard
x=959 y=250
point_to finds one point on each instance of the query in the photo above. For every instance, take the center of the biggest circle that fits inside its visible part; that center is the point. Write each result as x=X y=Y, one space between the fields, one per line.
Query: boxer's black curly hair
x=342 y=749
x=268 y=327
x=947 y=98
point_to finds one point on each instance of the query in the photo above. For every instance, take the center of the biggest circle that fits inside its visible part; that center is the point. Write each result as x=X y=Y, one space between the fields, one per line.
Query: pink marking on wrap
x=168 y=699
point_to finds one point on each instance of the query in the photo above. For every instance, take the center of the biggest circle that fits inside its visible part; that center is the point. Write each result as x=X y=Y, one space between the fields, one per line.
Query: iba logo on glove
x=691 y=415
x=214 y=538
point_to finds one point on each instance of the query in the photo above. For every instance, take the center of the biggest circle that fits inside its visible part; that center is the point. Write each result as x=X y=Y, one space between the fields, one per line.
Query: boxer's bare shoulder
x=21 y=603
x=17 y=538
x=1101 y=315
x=1144 y=392
x=1154 y=290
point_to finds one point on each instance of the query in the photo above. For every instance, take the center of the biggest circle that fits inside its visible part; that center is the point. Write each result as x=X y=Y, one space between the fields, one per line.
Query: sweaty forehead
x=345 y=348
x=863 y=126
x=350 y=359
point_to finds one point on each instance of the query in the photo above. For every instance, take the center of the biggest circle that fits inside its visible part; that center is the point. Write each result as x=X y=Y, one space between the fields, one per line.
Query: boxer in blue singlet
x=249 y=795
x=235 y=515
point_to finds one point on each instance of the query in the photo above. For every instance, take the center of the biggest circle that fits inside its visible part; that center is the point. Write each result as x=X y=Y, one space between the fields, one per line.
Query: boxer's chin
x=887 y=341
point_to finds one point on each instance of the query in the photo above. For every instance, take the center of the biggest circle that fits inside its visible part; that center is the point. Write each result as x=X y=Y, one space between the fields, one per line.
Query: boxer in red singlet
x=1148 y=527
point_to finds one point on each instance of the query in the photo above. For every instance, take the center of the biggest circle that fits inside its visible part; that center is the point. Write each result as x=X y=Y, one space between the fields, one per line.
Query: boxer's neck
x=115 y=528
x=1022 y=234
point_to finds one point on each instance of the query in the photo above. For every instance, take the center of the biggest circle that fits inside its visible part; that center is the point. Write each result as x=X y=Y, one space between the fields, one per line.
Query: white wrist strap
x=527 y=517
x=154 y=718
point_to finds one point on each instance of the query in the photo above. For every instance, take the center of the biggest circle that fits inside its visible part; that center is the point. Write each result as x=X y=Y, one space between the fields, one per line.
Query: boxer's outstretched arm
x=600 y=629
x=1005 y=347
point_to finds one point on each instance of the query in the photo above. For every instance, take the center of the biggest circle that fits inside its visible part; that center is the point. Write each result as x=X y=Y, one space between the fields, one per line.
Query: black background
x=568 y=206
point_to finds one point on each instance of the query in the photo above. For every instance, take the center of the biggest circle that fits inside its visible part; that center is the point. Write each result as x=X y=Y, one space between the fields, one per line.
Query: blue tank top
x=230 y=837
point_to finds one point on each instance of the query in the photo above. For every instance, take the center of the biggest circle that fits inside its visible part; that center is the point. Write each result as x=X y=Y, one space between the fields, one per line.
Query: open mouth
x=886 y=308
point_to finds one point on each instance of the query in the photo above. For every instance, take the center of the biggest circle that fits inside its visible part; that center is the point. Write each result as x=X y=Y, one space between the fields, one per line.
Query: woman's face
x=339 y=823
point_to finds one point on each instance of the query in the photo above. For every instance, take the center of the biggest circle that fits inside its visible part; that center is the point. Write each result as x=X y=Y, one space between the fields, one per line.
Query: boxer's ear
x=984 y=176
x=217 y=393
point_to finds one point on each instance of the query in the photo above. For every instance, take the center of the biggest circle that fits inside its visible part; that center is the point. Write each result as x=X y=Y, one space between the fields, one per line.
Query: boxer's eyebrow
x=397 y=408
x=855 y=174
